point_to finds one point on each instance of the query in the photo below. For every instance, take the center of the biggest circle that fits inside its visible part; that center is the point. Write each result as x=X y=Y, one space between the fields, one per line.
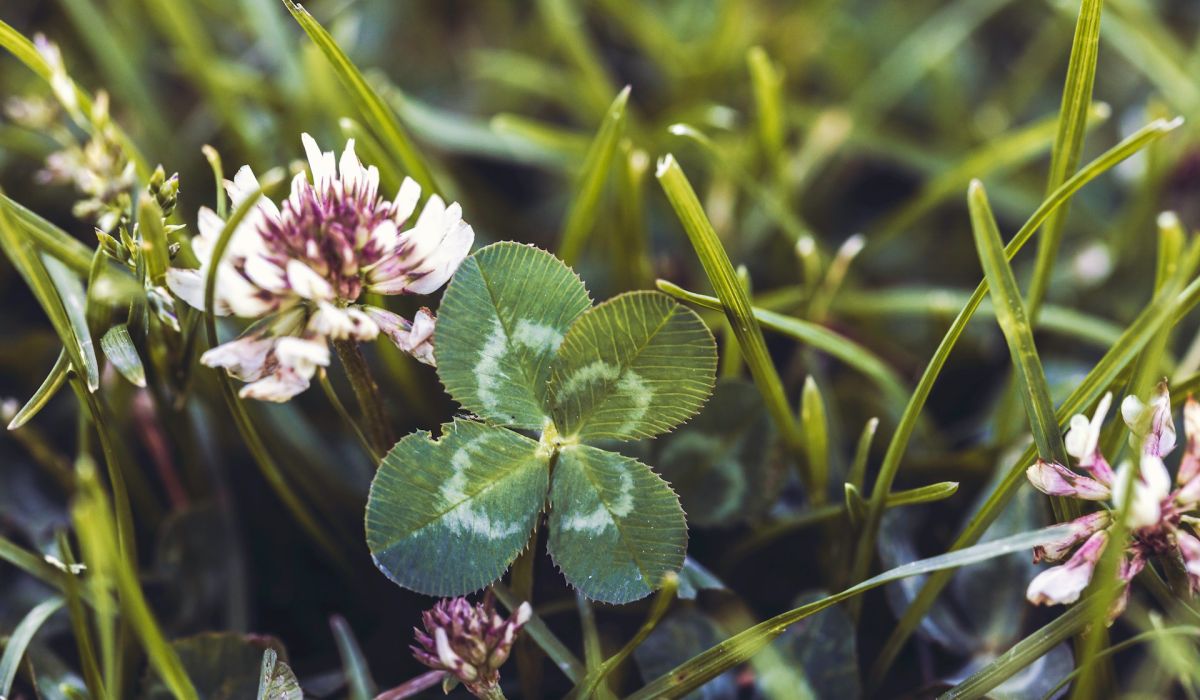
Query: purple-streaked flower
x=1156 y=515
x=469 y=642
x=1063 y=584
x=303 y=266
x=1082 y=528
x=1056 y=480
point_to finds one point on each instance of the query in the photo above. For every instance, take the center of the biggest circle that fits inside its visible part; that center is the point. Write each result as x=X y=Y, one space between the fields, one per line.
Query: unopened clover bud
x=165 y=190
x=469 y=642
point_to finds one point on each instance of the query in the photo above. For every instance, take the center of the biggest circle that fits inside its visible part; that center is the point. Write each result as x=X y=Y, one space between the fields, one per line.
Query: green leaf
x=735 y=301
x=720 y=462
x=1011 y=316
x=373 y=110
x=18 y=642
x=616 y=528
x=118 y=348
x=501 y=320
x=475 y=492
x=816 y=444
x=74 y=302
x=633 y=367
x=581 y=218
x=276 y=681
x=1068 y=142
x=50 y=386
x=358 y=675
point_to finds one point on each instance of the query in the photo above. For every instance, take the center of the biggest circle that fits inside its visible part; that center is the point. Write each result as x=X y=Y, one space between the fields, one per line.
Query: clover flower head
x=302 y=267
x=1156 y=508
x=469 y=642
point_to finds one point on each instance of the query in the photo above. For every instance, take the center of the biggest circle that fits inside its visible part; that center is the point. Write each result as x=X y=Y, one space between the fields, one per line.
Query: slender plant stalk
x=366 y=390
x=737 y=308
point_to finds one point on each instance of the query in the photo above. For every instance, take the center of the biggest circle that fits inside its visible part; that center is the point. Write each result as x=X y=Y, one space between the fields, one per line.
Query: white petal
x=386 y=236
x=244 y=299
x=1156 y=476
x=302 y=355
x=321 y=164
x=278 y=387
x=189 y=286
x=365 y=329
x=1131 y=410
x=266 y=274
x=406 y=199
x=244 y=358
x=1058 y=585
x=332 y=322
x=208 y=224
x=307 y=283
x=1079 y=438
x=445 y=260
x=350 y=167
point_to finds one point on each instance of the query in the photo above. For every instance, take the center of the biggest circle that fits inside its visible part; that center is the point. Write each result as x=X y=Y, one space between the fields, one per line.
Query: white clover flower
x=1155 y=515
x=303 y=266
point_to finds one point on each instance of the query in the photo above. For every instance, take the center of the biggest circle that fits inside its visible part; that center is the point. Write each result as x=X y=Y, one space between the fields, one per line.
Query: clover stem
x=370 y=401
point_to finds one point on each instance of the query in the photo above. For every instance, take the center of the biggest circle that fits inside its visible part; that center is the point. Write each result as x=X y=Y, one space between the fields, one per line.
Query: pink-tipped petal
x=1056 y=480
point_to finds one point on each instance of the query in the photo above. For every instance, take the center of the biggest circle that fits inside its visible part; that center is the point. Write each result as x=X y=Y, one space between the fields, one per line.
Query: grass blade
x=999 y=154
x=74 y=301
x=737 y=649
x=1021 y=654
x=1164 y=309
x=581 y=218
x=540 y=633
x=118 y=347
x=50 y=386
x=736 y=305
x=1018 y=333
x=373 y=111
x=73 y=593
x=923 y=494
x=908 y=421
x=818 y=336
x=95 y=526
x=590 y=686
x=50 y=238
x=19 y=641
x=358 y=676
x=767 y=83
x=1068 y=143
x=816 y=443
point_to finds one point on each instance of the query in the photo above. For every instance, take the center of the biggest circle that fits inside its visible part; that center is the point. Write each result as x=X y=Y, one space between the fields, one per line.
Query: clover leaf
x=519 y=345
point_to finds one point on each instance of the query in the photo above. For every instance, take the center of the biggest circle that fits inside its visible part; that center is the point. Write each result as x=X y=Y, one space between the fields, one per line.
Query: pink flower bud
x=1056 y=480
x=1081 y=529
